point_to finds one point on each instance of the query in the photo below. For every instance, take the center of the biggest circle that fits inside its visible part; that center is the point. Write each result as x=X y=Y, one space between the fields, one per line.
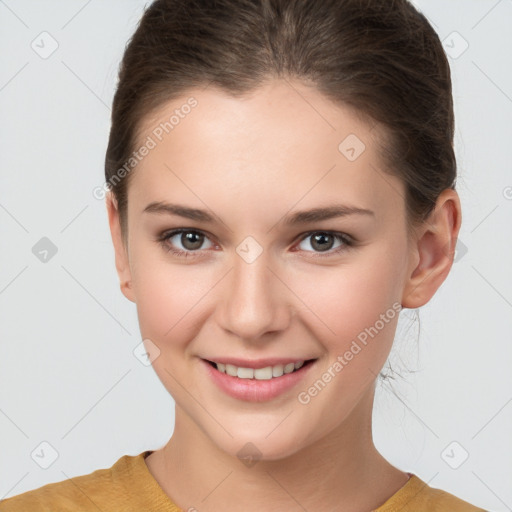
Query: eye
x=190 y=239
x=323 y=242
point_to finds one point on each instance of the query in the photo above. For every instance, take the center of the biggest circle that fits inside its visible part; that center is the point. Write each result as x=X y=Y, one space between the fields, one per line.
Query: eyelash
x=348 y=242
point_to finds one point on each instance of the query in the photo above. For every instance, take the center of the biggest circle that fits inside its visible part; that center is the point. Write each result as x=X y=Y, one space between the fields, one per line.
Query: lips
x=256 y=363
x=257 y=371
x=256 y=389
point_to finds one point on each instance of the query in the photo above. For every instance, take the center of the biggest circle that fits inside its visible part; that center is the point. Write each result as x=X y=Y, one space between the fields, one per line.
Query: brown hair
x=381 y=57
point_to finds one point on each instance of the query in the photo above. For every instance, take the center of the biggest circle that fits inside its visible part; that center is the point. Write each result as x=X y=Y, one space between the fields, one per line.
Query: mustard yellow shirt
x=128 y=486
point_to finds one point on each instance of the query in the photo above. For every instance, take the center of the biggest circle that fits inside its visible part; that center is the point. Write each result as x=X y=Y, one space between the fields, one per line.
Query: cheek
x=356 y=310
x=168 y=305
x=347 y=299
x=168 y=296
x=355 y=307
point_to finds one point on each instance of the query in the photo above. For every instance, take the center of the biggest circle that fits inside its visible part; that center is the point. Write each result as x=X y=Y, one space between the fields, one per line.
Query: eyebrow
x=302 y=217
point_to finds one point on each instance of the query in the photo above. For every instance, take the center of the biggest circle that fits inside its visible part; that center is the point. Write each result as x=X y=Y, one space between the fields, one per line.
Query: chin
x=251 y=449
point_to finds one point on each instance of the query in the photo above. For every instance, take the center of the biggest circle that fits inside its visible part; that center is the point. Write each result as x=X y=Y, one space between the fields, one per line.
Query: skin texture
x=250 y=162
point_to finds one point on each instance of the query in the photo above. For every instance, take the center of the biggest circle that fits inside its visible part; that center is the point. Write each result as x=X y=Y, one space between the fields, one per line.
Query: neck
x=341 y=471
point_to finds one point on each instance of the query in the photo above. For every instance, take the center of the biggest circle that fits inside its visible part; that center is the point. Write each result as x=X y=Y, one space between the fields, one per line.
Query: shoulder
x=439 y=500
x=417 y=496
x=91 y=492
x=78 y=493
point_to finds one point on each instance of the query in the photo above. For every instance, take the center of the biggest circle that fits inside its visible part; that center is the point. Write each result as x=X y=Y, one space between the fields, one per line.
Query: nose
x=254 y=301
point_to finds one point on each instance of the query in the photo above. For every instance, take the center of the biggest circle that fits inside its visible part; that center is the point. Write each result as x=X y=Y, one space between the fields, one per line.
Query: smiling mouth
x=267 y=373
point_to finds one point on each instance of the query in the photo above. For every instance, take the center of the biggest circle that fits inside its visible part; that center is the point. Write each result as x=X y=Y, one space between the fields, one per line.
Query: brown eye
x=184 y=242
x=191 y=240
x=323 y=242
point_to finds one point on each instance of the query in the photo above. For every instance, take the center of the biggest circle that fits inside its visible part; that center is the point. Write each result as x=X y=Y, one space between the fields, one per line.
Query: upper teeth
x=260 y=373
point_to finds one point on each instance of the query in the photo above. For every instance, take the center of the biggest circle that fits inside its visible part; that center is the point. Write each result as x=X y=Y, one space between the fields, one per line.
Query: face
x=247 y=282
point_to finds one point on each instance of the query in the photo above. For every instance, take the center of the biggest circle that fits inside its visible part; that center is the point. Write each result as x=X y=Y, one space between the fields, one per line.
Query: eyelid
x=348 y=243
x=339 y=234
x=164 y=237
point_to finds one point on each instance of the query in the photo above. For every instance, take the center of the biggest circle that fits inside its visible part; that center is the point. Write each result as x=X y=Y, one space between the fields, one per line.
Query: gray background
x=68 y=373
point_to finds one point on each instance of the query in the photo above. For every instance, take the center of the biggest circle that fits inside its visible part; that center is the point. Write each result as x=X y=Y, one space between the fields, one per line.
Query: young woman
x=281 y=181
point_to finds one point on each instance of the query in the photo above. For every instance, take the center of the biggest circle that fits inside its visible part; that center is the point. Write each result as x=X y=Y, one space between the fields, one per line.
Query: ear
x=121 y=253
x=433 y=251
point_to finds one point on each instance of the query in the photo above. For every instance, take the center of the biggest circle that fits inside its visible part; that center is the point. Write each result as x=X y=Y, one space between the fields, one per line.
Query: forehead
x=282 y=143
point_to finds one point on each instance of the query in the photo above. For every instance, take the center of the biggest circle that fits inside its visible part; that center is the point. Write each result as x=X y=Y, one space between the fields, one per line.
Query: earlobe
x=432 y=254
x=121 y=255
